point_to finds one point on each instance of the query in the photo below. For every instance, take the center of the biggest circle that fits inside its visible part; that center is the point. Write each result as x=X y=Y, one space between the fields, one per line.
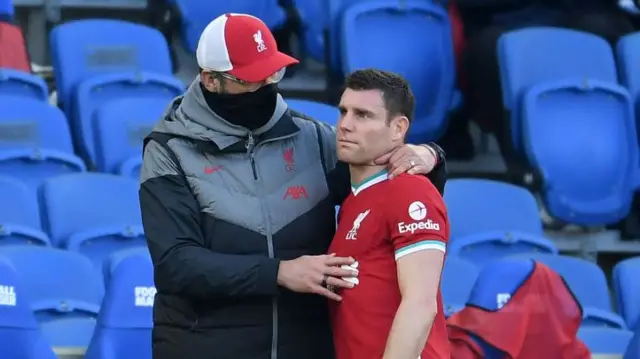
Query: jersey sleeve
x=418 y=219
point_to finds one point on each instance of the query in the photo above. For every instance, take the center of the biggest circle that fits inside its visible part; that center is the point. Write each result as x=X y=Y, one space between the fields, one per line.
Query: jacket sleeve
x=183 y=265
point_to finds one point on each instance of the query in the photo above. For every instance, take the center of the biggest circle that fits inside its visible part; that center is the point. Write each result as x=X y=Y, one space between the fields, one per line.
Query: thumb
x=384 y=159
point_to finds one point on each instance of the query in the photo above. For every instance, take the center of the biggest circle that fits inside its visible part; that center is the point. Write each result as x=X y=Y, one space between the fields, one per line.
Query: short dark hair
x=396 y=92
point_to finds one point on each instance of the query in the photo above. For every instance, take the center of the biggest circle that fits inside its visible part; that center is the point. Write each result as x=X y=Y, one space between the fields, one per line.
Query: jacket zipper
x=250 y=146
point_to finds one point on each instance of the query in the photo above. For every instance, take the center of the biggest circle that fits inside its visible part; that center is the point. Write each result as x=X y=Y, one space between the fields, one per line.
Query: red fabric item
x=14 y=52
x=540 y=321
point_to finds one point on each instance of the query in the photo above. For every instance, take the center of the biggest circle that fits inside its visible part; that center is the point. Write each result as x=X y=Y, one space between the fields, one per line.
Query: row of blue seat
x=93 y=214
x=498 y=281
x=36 y=144
x=51 y=298
x=64 y=295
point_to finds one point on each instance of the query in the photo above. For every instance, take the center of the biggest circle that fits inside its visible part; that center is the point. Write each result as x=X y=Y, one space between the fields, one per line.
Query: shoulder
x=408 y=184
x=405 y=190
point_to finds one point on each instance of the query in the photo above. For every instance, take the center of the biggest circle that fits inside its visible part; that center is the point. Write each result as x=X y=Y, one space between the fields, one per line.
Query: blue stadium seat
x=18 y=83
x=419 y=48
x=458 y=278
x=633 y=350
x=196 y=15
x=589 y=285
x=609 y=341
x=603 y=113
x=315 y=20
x=105 y=4
x=316 y=110
x=83 y=49
x=626 y=288
x=6 y=10
x=126 y=318
x=498 y=281
x=533 y=56
x=60 y=284
x=628 y=56
x=35 y=142
x=19 y=214
x=116 y=257
x=120 y=127
x=20 y=335
x=491 y=219
x=94 y=214
x=101 y=91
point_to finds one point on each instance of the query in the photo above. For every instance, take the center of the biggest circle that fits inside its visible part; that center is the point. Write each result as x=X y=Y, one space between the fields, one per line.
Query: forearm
x=410 y=330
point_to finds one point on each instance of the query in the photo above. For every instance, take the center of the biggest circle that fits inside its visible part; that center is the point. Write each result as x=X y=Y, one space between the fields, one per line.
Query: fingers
x=400 y=168
x=384 y=159
x=340 y=283
x=326 y=292
x=338 y=261
x=340 y=272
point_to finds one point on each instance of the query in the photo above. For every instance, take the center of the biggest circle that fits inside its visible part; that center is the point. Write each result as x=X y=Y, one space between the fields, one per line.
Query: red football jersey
x=381 y=221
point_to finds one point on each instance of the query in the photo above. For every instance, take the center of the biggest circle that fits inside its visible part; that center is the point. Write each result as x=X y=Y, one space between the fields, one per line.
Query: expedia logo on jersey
x=418 y=212
x=412 y=227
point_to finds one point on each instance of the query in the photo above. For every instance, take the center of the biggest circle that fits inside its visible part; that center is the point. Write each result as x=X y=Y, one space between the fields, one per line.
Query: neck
x=360 y=174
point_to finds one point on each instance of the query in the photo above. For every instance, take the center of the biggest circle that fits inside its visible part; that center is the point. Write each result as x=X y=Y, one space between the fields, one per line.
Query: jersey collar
x=369 y=181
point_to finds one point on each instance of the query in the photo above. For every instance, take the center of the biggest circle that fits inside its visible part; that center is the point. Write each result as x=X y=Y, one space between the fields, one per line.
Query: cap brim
x=261 y=70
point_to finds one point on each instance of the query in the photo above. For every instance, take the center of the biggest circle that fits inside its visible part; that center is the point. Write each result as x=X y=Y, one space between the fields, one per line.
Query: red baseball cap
x=241 y=45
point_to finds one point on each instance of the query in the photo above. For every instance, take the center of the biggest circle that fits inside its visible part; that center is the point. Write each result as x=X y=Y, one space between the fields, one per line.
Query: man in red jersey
x=396 y=229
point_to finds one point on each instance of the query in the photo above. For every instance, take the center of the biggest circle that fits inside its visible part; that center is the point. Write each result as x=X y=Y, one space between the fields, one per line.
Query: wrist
x=433 y=153
x=282 y=273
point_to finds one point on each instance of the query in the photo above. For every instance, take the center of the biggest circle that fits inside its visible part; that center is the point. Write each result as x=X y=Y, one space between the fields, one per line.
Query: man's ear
x=400 y=127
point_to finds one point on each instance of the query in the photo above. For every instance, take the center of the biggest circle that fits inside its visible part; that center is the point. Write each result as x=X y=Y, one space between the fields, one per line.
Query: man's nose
x=345 y=123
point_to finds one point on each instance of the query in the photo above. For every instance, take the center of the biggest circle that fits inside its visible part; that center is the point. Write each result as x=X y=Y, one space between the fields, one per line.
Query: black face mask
x=250 y=109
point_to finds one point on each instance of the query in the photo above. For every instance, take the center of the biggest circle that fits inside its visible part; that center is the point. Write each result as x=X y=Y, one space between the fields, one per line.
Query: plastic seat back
x=605 y=341
x=602 y=114
x=59 y=283
x=119 y=131
x=316 y=110
x=633 y=350
x=532 y=56
x=626 y=289
x=491 y=219
x=35 y=142
x=589 y=285
x=94 y=213
x=126 y=318
x=14 y=52
x=420 y=49
x=196 y=15
x=100 y=91
x=458 y=278
x=628 y=60
x=20 y=335
x=85 y=48
x=19 y=214
x=114 y=259
x=6 y=10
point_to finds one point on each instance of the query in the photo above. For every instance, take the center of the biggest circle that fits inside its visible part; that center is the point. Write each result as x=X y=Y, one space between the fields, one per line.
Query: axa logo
x=212 y=169
x=352 y=235
x=296 y=192
x=289 y=162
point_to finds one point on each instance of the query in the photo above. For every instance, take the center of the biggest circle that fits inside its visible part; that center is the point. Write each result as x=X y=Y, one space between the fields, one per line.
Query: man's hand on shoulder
x=411 y=159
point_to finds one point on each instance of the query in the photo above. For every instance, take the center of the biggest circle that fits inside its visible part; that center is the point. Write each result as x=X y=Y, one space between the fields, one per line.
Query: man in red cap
x=237 y=196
